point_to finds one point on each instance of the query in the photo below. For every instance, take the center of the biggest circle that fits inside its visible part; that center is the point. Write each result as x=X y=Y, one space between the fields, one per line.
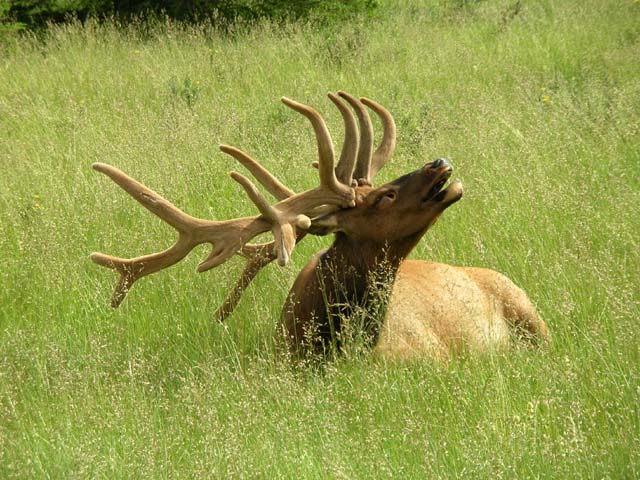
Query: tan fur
x=437 y=310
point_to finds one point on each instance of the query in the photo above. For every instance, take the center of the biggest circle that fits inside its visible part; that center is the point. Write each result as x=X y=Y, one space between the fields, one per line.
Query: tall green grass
x=537 y=104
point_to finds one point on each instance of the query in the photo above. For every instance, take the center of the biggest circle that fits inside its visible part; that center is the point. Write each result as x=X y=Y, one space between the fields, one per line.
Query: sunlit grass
x=536 y=103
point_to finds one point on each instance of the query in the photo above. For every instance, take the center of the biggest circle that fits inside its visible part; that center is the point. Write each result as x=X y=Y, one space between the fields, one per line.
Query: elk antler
x=368 y=162
x=288 y=219
x=358 y=158
x=227 y=236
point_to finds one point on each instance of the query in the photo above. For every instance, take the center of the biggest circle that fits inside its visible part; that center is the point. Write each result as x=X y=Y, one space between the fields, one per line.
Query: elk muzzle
x=438 y=173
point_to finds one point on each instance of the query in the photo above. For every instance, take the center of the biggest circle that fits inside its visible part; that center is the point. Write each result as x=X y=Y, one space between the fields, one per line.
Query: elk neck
x=356 y=266
x=352 y=278
x=363 y=257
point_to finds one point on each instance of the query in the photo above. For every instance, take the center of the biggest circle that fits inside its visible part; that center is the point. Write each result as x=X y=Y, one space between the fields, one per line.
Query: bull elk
x=428 y=308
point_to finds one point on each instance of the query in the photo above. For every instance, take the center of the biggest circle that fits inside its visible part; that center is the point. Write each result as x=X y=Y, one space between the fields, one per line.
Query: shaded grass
x=539 y=112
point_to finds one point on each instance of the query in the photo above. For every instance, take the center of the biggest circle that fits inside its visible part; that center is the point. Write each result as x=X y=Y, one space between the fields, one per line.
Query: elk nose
x=441 y=162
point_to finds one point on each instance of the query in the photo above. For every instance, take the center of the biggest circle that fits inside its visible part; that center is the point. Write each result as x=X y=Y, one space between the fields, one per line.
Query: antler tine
x=258 y=257
x=283 y=223
x=266 y=178
x=363 y=163
x=148 y=198
x=132 y=269
x=388 y=144
x=323 y=137
x=347 y=162
x=256 y=197
x=326 y=156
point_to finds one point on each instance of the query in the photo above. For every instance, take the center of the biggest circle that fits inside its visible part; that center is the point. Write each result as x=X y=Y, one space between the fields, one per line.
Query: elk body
x=408 y=308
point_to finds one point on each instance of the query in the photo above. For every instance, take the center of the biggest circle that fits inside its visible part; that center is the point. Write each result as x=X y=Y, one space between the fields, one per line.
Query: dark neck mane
x=348 y=284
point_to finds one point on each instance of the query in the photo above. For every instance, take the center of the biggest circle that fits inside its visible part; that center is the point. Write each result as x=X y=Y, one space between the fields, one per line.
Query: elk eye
x=386 y=200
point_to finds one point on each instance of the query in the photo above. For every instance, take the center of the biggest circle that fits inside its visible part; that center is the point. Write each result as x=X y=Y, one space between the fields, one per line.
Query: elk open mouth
x=437 y=192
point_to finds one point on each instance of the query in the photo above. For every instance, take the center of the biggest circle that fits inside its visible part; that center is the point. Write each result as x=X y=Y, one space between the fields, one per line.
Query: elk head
x=396 y=214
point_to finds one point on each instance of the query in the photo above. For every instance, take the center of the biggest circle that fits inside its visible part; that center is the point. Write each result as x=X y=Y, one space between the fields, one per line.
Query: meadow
x=536 y=103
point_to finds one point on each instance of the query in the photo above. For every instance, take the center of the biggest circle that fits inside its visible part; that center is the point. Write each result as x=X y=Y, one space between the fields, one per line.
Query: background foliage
x=17 y=14
x=537 y=104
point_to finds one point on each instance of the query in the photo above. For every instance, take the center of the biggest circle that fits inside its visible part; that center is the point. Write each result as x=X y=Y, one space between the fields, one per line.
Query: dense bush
x=18 y=14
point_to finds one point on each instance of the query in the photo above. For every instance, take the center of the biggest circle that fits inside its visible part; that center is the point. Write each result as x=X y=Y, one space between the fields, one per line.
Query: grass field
x=537 y=104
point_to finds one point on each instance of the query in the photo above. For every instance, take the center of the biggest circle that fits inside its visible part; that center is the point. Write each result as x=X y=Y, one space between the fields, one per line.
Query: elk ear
x=385 y=200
